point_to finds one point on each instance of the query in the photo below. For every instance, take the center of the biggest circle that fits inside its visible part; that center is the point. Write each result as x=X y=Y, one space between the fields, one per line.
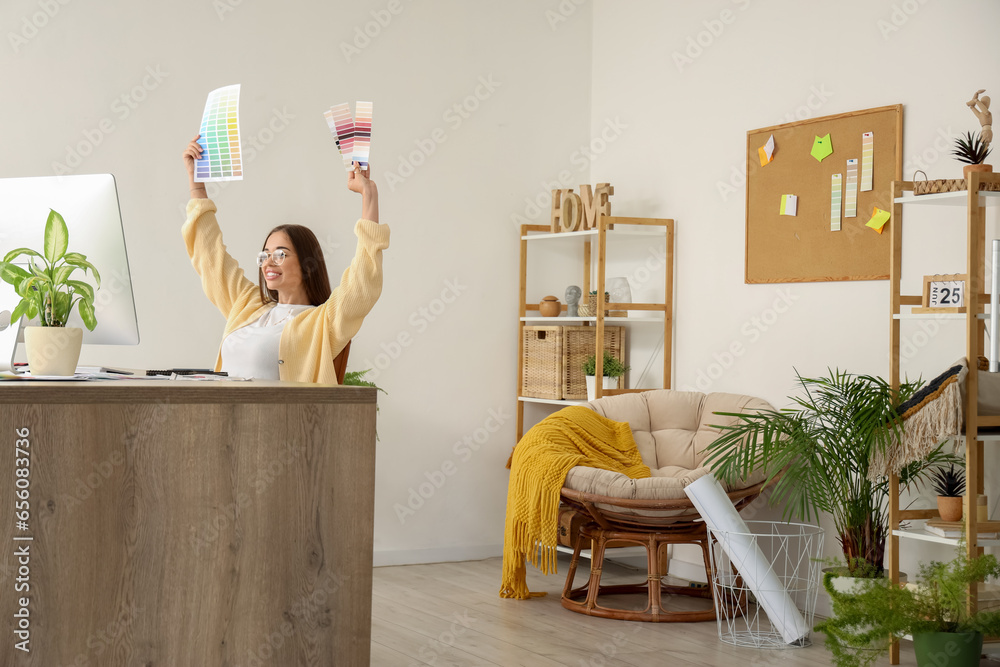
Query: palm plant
x=818 y=455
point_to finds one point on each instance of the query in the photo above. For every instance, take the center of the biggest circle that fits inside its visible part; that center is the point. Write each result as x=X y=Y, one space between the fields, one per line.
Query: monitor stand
x=8 y=336
x=9 y=333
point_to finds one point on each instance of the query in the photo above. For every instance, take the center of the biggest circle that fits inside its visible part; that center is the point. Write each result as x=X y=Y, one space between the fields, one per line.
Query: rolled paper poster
x=741 y=548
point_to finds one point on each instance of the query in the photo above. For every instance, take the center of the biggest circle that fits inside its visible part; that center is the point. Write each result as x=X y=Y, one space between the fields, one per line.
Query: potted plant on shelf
x=49 y=292
x=972 y=151
x=612 y=370
x=819 y=454
x=592 y=302
x=949 y=484
x=935 y=612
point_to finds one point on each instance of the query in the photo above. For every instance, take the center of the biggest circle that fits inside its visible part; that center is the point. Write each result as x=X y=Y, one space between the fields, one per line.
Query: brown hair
x=310 y=255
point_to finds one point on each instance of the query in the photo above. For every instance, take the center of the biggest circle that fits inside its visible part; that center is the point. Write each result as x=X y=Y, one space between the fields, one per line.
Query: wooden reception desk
x=186 y=523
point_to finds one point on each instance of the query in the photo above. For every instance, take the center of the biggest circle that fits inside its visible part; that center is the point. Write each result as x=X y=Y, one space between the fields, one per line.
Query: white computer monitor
x=89 y=205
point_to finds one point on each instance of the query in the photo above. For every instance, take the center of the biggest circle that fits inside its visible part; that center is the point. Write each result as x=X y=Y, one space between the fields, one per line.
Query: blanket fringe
x=934 y=420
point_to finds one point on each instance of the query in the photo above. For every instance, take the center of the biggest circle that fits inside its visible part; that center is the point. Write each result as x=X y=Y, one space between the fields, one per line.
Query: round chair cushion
x=671 y=429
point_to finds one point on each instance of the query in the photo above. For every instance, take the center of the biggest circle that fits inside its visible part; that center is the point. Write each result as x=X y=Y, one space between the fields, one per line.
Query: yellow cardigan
x=311 y=340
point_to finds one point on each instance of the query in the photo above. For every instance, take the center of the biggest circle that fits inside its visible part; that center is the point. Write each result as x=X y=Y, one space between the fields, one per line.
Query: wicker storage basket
x=926 y=187
x=592 y=307
x=578 y=343
x=542 y=362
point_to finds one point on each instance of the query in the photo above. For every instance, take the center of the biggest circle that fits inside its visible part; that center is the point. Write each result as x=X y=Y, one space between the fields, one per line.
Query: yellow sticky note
x=879 y=218
x=822 y=148
x=766 y=152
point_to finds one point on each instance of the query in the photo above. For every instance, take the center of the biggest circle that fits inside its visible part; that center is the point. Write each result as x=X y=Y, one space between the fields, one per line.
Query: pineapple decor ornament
x=949 y=484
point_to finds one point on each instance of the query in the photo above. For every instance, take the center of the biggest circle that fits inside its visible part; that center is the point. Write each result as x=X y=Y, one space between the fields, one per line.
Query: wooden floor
x=450 y=614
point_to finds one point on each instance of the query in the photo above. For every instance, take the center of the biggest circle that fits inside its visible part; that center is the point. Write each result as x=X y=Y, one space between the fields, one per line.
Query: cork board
x=802 y=248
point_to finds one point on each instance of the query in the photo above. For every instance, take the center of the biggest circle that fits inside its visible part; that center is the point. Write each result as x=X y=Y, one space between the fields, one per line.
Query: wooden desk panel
x=232 y=530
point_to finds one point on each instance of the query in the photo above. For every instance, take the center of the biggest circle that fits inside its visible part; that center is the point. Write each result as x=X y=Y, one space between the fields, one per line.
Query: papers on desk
x=99 y=373
x=206 y=378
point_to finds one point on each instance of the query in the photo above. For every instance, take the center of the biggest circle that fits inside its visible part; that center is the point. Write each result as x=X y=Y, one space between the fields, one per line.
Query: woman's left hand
x=358 y=181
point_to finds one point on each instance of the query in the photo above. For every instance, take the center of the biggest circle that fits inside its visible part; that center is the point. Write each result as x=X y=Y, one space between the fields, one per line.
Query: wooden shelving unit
x=652 y=314
x=976 y=204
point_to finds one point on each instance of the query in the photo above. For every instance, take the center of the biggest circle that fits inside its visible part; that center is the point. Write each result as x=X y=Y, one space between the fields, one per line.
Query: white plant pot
x=609 y=383
x=53 y=350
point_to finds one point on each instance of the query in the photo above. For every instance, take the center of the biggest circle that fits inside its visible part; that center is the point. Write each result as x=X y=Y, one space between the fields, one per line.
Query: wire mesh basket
x=765 y=583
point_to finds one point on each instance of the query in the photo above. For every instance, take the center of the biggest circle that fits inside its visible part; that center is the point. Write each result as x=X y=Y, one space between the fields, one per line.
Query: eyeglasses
x=278 y=256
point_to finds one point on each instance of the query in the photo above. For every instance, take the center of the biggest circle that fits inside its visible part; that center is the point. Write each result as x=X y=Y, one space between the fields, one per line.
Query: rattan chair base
x=584 y=600
x=607 y=526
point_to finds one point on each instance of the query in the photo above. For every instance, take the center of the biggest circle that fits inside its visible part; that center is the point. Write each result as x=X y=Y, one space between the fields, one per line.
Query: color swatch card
x=221 y=159
x=851 y=192
x=789 y=205
x=836 y=194
x=353 y=135
x=867 y=160
x=362 y=132
x=341 y=124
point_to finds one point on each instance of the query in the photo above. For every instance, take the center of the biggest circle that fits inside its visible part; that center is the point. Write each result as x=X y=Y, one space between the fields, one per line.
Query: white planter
x=845 y=583
x=53 y=350
x=609 y=383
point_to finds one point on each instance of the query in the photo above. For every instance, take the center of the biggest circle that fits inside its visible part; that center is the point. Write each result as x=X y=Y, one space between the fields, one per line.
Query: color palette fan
x=353 y=135
x=220 y=137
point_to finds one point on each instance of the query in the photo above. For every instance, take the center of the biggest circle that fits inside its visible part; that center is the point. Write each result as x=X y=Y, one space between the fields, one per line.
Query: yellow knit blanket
x=574 y=436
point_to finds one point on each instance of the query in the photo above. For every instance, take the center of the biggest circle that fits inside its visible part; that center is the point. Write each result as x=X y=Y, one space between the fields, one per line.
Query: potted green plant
x=357 y=379
x=49 y=292
x=612 y=370
x=818 y=454
x=972 y=151
x=949 y=484
x=935 y=613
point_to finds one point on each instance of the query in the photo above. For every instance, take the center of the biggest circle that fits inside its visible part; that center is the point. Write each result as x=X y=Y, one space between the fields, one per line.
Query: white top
x=252 y=351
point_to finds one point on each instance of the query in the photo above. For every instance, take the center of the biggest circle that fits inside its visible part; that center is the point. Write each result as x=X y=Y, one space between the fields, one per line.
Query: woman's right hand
x=192 y=153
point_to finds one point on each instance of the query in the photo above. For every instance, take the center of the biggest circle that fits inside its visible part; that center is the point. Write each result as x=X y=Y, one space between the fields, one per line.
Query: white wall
x=562 y=72
x=450 y=291
x=690 y=79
